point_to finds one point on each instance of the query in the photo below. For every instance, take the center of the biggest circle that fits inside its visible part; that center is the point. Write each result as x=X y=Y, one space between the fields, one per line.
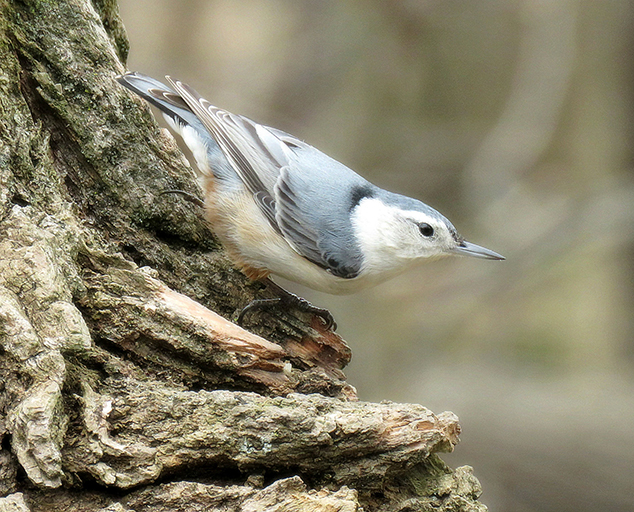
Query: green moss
x=111 y=19
x=431 y=478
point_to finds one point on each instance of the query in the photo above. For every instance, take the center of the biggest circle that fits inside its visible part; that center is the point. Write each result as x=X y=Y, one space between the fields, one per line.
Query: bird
x=281 y=207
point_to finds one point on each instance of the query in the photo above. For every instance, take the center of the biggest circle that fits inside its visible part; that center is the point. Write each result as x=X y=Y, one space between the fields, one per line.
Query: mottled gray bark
x=118 y=368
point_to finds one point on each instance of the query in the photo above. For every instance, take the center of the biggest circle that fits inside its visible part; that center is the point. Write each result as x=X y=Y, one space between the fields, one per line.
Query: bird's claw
x=323 y=313
x=290 y=300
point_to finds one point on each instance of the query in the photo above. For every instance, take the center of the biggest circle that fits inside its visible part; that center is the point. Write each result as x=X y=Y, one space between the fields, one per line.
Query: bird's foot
x=289 y=300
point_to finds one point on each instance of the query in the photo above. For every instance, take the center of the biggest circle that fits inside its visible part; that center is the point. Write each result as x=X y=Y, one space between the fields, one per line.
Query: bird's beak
x=469 y=249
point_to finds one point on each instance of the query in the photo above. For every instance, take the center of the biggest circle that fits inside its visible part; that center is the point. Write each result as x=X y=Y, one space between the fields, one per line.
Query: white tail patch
x=194 y=142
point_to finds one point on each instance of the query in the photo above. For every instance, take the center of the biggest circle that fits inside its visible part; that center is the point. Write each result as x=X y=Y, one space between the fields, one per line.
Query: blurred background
x=514 y=119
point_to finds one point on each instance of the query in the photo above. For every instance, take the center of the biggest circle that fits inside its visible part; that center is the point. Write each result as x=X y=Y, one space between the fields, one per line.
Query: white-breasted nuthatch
x=282 y=207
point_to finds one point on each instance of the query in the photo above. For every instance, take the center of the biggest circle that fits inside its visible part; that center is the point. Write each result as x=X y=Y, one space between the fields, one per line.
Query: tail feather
x=161 y=96
x=183 y=121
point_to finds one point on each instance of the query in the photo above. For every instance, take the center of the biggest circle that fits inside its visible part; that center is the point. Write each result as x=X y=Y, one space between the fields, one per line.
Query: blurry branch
x=533 y=109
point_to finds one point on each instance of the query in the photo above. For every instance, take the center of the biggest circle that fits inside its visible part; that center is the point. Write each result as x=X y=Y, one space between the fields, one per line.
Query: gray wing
x=315 y=197
x=306 y=196
x=238 y=138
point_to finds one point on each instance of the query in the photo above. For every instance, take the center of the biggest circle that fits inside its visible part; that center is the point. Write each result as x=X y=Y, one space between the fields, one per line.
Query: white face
x=393 y=239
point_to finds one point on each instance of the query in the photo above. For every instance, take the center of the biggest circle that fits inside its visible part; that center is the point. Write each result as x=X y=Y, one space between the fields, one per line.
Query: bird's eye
x=426 y=230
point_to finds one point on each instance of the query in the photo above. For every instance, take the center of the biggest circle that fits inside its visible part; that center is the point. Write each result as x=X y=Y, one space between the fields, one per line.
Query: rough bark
x=123 y=386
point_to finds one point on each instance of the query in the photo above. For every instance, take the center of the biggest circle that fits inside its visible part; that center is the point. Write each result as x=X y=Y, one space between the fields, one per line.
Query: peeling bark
x=119 y=368
x=162 y=431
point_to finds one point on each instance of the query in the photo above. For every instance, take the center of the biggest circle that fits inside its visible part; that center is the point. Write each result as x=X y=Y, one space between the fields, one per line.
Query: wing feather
x=236 y=148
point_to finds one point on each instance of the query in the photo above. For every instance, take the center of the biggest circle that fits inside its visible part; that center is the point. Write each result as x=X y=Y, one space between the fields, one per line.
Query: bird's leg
x=190 y=197
x=290 y=300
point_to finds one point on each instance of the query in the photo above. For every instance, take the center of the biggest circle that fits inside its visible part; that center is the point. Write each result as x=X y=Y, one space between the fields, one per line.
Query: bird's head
x=396 y=231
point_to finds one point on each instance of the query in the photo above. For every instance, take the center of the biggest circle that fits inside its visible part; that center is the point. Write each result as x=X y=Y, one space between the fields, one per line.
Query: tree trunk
x=122 y=384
